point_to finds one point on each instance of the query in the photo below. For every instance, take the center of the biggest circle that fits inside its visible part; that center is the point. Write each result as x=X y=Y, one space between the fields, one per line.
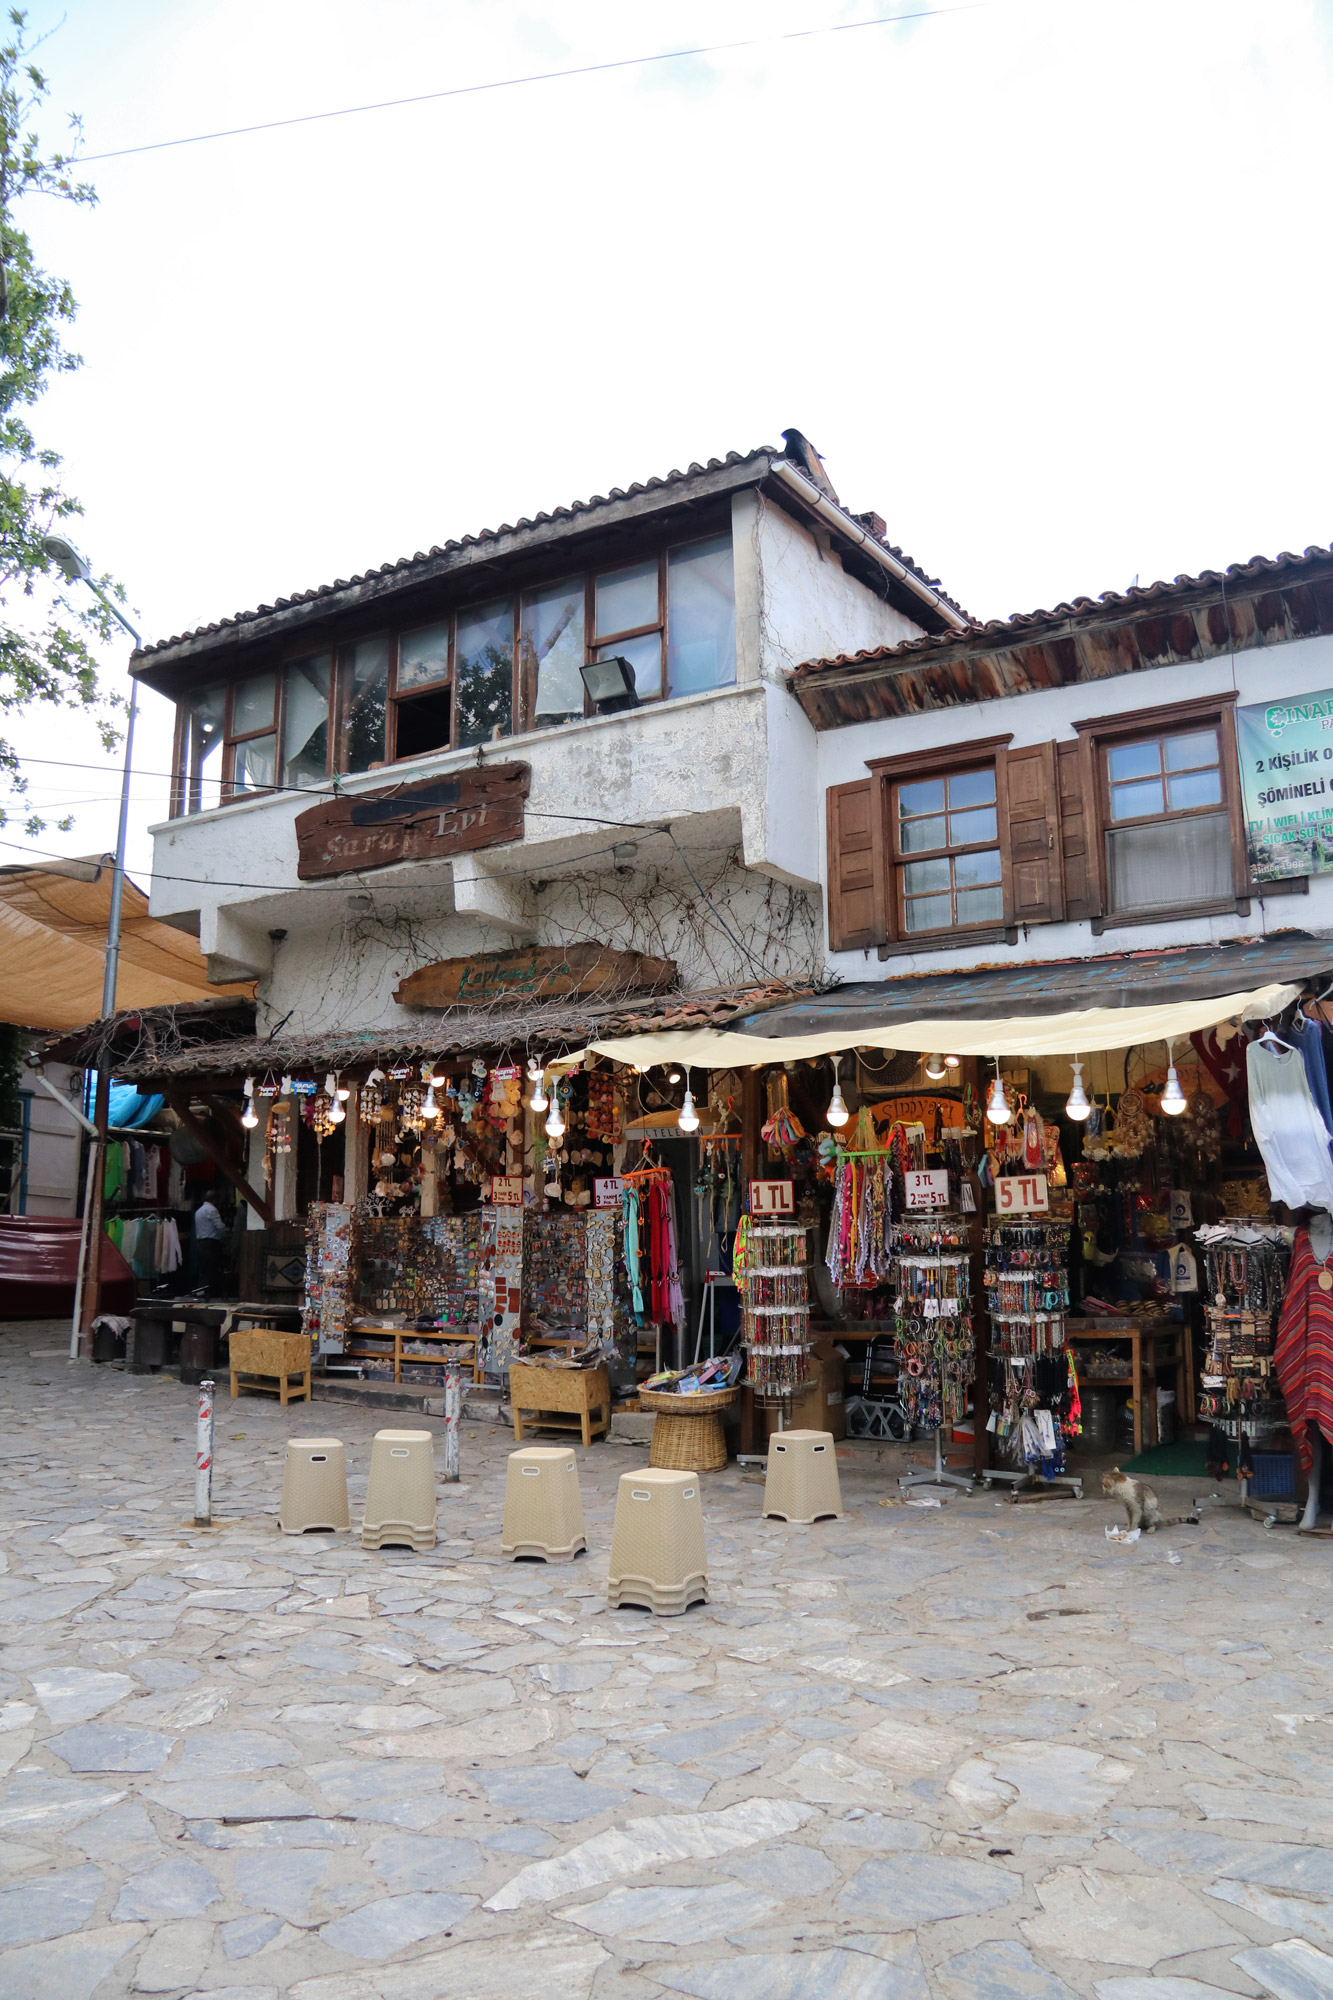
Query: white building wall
x=53 y=1145
x=809 y=607
x=1272 y=673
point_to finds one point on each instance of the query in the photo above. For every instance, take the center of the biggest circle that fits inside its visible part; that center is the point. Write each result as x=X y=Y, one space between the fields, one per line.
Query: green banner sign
x=1286 y=773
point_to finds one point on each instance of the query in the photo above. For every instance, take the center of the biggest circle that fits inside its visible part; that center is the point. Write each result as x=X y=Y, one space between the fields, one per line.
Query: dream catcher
x=411 y=1107
x=322 y=1121
x=1199 y=1127
x=1133 y=1124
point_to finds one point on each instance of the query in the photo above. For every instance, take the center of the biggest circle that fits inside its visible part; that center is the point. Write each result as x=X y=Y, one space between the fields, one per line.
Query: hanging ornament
x=370 y=1100
x=269 y=1087
x=411 y=1108
x=322 y=1120
x=280 y=1128
x=399 y=1072
x=249 y=1117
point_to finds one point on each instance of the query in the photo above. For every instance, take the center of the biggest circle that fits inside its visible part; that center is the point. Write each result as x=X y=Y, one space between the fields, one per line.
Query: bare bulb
x=1076 y=1104
x=837 y=1113
x=1173 y=1097
x=936 y=1067
x=998 y=1108
x=689 y=1117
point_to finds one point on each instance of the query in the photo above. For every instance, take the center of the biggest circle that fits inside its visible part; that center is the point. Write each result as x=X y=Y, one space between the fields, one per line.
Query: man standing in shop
x=210 y=1234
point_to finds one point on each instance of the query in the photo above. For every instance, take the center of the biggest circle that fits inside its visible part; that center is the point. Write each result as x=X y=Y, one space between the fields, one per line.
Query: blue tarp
x=128 y=1107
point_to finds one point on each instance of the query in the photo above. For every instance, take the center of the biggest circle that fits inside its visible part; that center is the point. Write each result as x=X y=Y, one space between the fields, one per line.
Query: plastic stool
x=801 y=1483
x=314 y=1486
x=657 y=1544
x=543 y=1505
x=400 y=1494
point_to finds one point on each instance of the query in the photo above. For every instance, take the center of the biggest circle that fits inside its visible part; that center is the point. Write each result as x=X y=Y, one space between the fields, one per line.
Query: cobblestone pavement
x=969 y=1751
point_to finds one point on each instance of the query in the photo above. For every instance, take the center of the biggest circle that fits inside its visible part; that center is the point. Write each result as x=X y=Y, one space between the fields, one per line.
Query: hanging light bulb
x=555 y=1124
x=439 y=1075
x=998 y=1109
x=689 y=1117
x=837 y=1113
x=249 y=1117
x=343 y=1092
x=936 y=1066
x=1173 y=1097
x=430 y=1109
x=1076 y=1104
x=953 y=1062
x=537 y=1077
x=673 y=1076
x=335 y=1114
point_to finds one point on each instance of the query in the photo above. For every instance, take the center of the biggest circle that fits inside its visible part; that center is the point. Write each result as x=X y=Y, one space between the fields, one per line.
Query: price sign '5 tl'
x=1022 y=1194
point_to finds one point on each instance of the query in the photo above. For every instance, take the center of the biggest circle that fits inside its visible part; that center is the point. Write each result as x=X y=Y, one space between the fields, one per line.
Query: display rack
x=932 y=1332
x=1027 y=1300
x=1243 y=1279
x=775 y=1314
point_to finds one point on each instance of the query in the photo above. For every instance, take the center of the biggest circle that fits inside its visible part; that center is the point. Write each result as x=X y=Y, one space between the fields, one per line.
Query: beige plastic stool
x=314 y=1486
x=657 y=1544
x=400 y=1494
x=543 y=1505
x=801 y=1483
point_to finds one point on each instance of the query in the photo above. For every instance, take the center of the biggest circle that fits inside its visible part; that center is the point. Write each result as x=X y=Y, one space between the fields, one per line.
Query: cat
x=1141 y=1504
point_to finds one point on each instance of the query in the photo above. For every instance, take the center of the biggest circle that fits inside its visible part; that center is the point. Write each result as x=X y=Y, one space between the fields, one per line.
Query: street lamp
x=75 y=568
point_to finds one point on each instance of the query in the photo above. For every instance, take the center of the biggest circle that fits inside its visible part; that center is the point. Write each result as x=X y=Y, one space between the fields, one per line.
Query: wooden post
x=752 y=1119
x=92 y=1264
x=430 y=1179
x=453 y=1403
x=179 y=1101
x=354 y=1150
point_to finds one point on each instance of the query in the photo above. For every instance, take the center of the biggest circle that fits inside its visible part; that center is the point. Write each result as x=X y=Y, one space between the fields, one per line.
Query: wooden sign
x=1022 y=1194
x=507 y=1190
x=606 y=1194
x=928 y=1190
x=916 y=1108
x=479 y=807
x=772 y=1198
x=535 y=972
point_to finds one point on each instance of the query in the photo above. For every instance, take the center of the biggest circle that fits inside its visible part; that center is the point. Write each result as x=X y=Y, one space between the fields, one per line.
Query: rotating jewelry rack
x=933 y=1336
x=775 y=1314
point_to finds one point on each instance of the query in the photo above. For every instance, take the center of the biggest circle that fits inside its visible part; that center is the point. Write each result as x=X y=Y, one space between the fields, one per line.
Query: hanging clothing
x=168 y=1254
x=113 y=1170
x=1303 y=1355
x=1289 y=1131
x=633 y=1265
x=1308 y=1037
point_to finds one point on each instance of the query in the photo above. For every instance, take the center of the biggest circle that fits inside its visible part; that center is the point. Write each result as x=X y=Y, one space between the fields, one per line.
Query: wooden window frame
x=594 y=641
x=1097 y=734
x=986 y=752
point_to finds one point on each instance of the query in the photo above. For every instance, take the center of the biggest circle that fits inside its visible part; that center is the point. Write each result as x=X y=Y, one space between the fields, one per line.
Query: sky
x=1044 y=280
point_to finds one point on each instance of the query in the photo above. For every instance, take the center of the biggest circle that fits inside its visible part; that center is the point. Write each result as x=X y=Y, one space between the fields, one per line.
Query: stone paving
x=965 y=1751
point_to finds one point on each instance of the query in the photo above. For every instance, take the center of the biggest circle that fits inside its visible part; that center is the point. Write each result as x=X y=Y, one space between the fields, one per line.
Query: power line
x=541 y=76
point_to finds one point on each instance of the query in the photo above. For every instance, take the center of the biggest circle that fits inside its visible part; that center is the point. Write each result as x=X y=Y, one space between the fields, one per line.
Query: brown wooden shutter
x=855 y=870
x=1077 y=832
x=1031 y=830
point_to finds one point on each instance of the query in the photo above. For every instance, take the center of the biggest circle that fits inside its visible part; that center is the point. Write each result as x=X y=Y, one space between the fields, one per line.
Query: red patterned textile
x=1304 y=1353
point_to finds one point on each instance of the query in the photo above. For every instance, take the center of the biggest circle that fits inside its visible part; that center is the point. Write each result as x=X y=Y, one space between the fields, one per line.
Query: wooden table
x=560 y=1399
x=157 y=1322
x=1159 y=1334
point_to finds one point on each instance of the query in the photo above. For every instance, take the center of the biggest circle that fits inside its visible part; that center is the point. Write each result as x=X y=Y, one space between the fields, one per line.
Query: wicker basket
x=687 y=1434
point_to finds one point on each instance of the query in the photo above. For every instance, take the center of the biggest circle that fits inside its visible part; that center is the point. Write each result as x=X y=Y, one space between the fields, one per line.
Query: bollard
x=453 y=1400
x=203 y=1459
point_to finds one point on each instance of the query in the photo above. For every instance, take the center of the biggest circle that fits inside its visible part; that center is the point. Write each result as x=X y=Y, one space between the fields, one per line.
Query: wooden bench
x=266 y=1361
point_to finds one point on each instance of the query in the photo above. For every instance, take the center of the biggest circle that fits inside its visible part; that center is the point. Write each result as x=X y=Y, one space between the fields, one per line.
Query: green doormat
x=1187 y=1460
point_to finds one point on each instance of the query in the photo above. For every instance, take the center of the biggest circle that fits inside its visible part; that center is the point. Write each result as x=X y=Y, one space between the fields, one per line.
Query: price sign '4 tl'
x=1022 y=1194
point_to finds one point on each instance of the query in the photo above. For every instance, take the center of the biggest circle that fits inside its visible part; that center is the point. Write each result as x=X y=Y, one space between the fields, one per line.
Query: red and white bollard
x=203 y=1459
x=453 y=1402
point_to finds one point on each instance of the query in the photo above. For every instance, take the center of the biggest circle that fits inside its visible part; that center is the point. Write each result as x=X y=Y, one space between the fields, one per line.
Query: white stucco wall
x=1272 y=673
x=54 y=1138
x=809 y=607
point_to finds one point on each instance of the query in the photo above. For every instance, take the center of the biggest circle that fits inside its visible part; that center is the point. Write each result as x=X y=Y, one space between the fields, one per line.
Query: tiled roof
x=1025 y=625
x=405 y=567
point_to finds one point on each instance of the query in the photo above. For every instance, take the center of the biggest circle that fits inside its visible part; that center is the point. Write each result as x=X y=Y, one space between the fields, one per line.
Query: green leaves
x=48 y=632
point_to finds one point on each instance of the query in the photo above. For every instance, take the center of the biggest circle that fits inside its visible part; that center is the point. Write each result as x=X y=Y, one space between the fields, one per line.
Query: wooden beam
x=180 y=1104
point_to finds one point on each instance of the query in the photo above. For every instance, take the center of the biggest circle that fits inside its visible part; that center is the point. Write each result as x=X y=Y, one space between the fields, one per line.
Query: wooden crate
x=560 y=1399
x=266 y=1362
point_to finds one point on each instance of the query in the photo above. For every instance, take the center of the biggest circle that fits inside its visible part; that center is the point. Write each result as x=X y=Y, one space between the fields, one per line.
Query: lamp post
x=75 y=568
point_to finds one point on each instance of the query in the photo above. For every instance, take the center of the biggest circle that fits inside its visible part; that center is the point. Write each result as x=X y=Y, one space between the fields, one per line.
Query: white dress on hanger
x=1290 y=1133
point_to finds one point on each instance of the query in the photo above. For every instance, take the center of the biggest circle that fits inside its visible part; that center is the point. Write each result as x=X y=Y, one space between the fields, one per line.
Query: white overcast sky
x=1045 y=281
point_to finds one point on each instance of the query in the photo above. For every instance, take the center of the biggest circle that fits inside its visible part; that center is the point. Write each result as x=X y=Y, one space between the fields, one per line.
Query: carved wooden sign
x=535 y=972
x=479 y=807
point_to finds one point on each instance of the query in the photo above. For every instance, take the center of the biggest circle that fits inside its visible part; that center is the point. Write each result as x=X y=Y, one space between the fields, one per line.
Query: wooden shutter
x=855 y=867
x=1031 y=831
x=1077 y=833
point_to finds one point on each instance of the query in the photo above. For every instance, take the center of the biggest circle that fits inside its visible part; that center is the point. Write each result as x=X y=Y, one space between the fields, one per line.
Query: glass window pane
x=922 y=875
x=1187 y=753
x=645 y=656
x=423 y=657
x=928 y=913
x=971 y=871
x=916 y=836
x=552 y=651
x=252 y=707
x=252 y=768
x=980 y=906
x=966 y=828
x=305 y=727
x=366 y=699
x=203 y=748
x=627 y=597
x=1133 y=760
x=484 y=694
x=1190 y=789
x=924 y=797
x=1136 y=801
x=701 y=617
x=972 y=788
x=1170 y=865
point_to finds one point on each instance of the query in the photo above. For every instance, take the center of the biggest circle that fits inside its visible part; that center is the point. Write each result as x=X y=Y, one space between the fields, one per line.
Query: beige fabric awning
x=53 y=923
x=1079 y=1032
